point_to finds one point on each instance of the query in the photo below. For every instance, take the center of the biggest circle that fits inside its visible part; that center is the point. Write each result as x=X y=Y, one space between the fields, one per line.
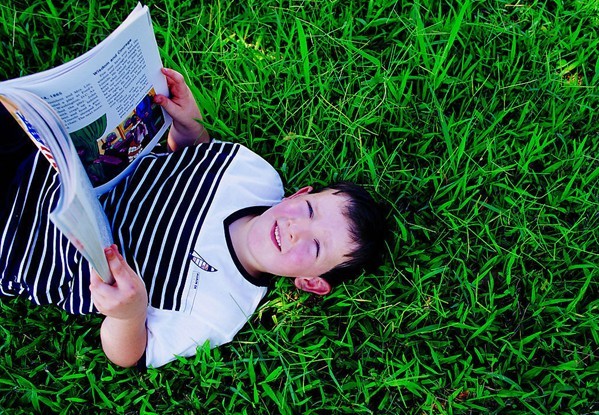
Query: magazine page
x=105 y=99
x=78 y=215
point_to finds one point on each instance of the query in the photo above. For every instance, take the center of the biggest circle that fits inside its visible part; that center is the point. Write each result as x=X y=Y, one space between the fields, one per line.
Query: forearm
x=186 y=129
x=124 y=341
x=125 y=305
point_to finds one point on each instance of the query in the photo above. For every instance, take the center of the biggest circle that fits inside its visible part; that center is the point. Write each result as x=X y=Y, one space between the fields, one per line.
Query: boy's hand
x=125 y=304
x=127 y=298
x=186 y=129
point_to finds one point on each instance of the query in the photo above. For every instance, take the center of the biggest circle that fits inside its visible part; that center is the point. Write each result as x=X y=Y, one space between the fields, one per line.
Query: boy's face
x=304 y=236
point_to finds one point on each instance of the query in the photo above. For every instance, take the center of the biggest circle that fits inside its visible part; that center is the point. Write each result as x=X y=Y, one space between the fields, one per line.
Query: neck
x=238 y=231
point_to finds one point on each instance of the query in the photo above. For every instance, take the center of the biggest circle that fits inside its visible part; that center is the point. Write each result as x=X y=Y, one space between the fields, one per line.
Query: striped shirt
x=169 y=220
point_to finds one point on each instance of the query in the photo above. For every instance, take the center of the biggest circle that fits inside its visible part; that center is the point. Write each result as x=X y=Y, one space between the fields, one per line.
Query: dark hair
x=367 y=228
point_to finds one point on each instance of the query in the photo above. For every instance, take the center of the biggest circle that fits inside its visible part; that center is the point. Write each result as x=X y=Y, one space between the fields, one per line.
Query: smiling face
x=304 y=236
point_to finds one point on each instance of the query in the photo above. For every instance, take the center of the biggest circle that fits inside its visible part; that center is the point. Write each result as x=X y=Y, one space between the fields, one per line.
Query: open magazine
x=94 y=118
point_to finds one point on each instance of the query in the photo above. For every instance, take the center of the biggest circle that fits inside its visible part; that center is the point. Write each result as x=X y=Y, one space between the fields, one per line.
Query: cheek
x=292 y=208
x=294 y=261
x=299 y=258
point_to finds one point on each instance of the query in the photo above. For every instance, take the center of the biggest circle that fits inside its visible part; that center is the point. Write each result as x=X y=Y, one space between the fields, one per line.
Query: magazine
x=94 y=118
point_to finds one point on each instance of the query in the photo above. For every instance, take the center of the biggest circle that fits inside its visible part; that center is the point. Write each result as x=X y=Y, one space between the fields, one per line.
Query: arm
x=124 y=304
x=186 y=129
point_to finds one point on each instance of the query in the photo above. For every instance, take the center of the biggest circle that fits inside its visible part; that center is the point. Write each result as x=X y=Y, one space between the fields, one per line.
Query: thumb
x=116 y=262
x=165 y=102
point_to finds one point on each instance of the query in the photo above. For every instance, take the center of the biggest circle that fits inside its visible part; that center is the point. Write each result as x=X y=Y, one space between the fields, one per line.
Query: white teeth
x=278 y=236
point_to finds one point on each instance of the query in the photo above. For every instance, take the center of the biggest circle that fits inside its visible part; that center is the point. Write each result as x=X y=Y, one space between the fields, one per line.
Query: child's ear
x=302 y=191
x=314 y=285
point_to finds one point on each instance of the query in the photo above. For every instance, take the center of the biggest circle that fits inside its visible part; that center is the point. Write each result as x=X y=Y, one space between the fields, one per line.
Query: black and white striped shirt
x=168 y=219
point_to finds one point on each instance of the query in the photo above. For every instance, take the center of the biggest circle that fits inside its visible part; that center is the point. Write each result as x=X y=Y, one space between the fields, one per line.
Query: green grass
x=475 y=121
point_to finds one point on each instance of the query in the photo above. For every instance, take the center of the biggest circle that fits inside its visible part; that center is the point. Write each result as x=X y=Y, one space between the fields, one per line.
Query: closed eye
x=310 y=210
x=311 y=214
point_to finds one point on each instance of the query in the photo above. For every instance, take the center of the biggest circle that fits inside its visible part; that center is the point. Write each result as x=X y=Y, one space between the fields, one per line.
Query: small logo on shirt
x=200 y=262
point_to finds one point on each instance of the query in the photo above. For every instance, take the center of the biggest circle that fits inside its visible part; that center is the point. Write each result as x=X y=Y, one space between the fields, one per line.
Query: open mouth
x=277 y=235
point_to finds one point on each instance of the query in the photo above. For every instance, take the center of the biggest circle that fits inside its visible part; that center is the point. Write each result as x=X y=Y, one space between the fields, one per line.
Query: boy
x=199 y=229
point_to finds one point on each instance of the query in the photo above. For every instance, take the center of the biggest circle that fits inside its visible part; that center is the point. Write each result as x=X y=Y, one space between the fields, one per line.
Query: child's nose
x=298 y=228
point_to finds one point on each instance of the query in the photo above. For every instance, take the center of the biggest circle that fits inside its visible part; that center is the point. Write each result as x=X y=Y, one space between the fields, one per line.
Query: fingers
x=116 y=262
x=96 y=284
x=176 y=83
x=166 y=103
x=98 y=287
x=124 y=276
x=184 y=110
x=127 y=297
x=173 y=76
x=177 y=86
x=101 y=292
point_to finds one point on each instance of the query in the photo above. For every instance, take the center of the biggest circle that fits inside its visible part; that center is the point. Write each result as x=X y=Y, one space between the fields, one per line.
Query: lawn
x=474 y=121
